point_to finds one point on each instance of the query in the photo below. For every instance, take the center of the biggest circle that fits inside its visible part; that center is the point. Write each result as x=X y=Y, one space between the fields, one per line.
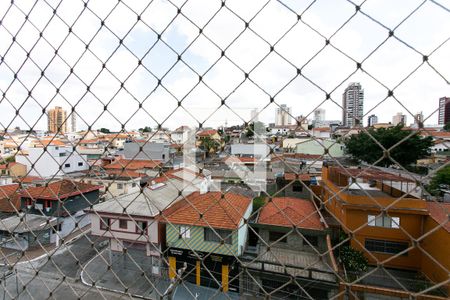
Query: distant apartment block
x=57 y=120
x=372 y=120
x=399 y=118
x=353 y=105
x=283 y=115
x=444 y=111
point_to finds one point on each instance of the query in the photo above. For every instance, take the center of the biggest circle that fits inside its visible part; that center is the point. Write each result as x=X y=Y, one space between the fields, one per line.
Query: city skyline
x=329 y=71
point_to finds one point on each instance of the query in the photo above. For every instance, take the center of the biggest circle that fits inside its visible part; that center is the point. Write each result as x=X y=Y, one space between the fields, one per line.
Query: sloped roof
x=207 y=132
x=208 y=209
x=134 y=164
x=440 y=212
x=294 y=176
x=147 y=203
x=9 y=165
x=287 y=212
x=59 y=190
x=9 y=198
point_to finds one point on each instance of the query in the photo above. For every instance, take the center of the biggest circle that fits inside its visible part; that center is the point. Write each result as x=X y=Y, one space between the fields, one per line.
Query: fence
x=169 y=149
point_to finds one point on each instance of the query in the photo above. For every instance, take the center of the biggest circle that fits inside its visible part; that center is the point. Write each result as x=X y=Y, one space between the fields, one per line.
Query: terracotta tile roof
x=216 y=211
x=440 y=212
x=297 y=156
x=134 y=164
x=240 y=159
x=29 y=179
x=59 y=190
x=207 y=132
x=437 y=134
x=43 y=143
x=9 y=198
x=89 y=141
x=294 y=176
x=8 y=165
x=368 y=173
x=286 y=212
x=322 y=129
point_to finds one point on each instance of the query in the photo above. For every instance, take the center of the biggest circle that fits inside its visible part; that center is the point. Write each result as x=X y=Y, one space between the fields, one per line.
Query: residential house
x=181 y=135
x=9 y=199
x=143 y=150
x=24 y=231
x=49 y=158
x=325 y=147
x=212 y=135
x=385 y=219
x=296 y=185
x=131 y=221
x=65 y=200
x=113 y=182
x=259 y=151
x=207 y=231
x=13 y=169
x=289 y=247
x=93 y=148
x=321 y=132
x=148 y=167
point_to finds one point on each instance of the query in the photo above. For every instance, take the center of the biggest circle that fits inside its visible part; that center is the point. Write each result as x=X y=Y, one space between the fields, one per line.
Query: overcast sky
x=294 y=43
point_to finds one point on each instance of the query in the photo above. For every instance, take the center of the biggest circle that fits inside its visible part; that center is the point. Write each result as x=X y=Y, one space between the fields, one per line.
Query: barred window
x=383 y=221
x=383 y=246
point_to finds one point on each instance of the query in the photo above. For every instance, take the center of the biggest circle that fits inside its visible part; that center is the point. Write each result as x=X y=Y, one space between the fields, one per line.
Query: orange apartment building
x=392 y=228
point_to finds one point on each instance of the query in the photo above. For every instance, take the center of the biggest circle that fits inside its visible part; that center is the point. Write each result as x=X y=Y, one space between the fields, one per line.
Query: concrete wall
x=150 y=151
x=48 y=163
x=243 y=230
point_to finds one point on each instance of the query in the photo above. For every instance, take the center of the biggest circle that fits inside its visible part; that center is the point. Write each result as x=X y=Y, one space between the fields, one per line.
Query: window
x=313 y=240
x=104 y=223
x=123 y=224
x=56 y=228
x=386 y=246
x=141 y=227
x=67 y=166
x=297 y=187
x=62 y=154
x=185 y=232
x=218 y=236
x=163 y=156
x=383 y=221
x=80 y=164
x=275 y=236
x=133 y=184
x=120 y=186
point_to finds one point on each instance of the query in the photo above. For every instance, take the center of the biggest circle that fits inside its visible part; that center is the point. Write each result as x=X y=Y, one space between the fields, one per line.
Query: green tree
x=353 y=260
x=447 y=127
x=146 y=129
x=363 y=148
x=209 y=145
x=104 y=130
x=442 y=177
x=250 y=130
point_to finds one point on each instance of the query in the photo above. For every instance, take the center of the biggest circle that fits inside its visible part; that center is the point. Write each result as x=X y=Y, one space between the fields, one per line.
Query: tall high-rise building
x=57 y=120
x=73 y=119
x=353 y=105
x=372 y=120
x=399 y=118
x=283 y=115
x=418 y=120
x=444 y=110
x=319 y=115
x=254 y=115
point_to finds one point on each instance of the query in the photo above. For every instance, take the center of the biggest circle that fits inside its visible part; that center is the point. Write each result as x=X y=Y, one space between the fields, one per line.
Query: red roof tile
x=294 y=176
x=29 y=179
x=134 y=164
x=287 y=212
x=59 y=190
x=208 y=132
x=440 y=212
x=216 y=211
x=7 y=165
x=9 y=198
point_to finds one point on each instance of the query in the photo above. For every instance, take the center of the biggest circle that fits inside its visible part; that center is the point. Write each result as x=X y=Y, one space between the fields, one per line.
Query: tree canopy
x=104 y=130
x=447 y=127
x=146 y=129
x=442 y=177
x=362 y=147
